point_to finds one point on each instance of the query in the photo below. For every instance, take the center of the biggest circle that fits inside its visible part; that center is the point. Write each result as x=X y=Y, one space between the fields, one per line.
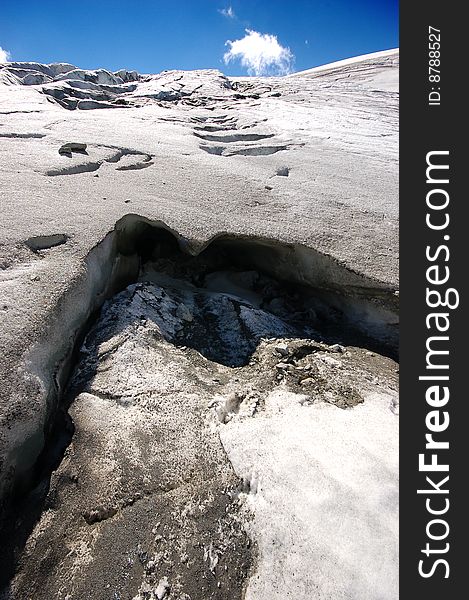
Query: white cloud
x=4 y=55
x=260 y=53
x=227 y=12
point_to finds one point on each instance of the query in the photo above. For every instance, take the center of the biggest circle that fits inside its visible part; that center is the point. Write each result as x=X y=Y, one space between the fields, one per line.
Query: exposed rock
x=282 y=349
x=70 y=147
x=44 y=242
x=282 y=171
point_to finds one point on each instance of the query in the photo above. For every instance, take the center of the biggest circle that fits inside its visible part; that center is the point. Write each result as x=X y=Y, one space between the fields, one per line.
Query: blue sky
x=153 y=35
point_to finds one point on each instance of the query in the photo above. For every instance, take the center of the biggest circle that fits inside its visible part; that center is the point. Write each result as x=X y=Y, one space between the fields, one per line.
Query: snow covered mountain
x=199 y=312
